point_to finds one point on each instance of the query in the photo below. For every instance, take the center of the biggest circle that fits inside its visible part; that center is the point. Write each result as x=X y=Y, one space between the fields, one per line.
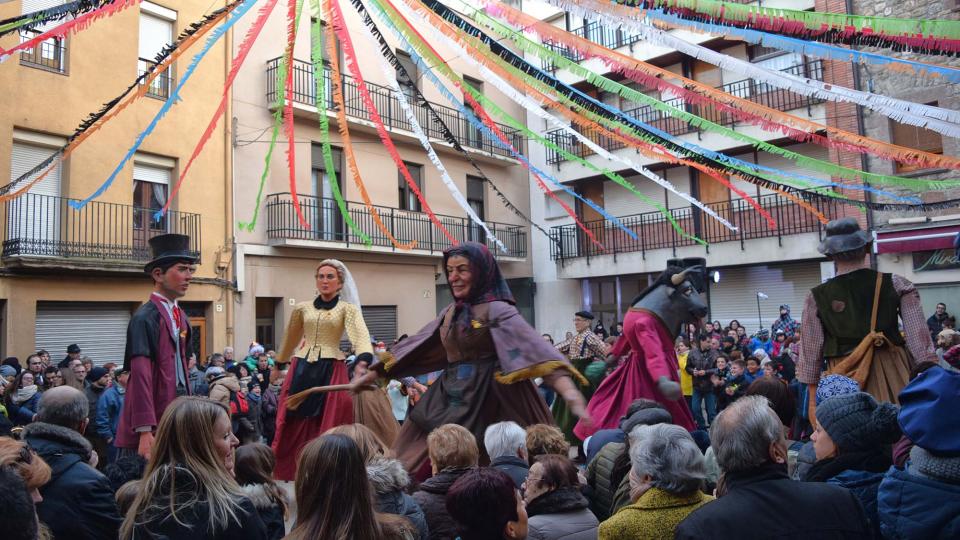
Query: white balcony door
x=34 y=217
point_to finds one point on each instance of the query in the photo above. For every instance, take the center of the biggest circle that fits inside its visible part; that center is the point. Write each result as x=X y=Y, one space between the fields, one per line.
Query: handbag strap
x=876 y=303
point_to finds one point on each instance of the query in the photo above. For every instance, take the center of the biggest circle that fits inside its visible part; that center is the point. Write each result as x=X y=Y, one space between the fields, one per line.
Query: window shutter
x=155 y=34
x=149 y=173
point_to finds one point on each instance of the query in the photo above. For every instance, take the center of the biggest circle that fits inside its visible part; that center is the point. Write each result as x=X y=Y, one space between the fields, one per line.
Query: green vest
x=844 y=305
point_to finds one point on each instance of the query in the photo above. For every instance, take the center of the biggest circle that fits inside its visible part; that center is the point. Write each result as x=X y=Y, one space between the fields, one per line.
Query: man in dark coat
x=78 y=502
x=158 y=345
x=506 y=444
x=752 y=452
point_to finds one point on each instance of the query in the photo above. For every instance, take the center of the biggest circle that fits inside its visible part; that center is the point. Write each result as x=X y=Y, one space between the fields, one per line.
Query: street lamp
x=759 y=315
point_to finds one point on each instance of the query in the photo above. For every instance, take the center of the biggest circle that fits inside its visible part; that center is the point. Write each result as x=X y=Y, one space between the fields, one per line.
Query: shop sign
x=941 y=259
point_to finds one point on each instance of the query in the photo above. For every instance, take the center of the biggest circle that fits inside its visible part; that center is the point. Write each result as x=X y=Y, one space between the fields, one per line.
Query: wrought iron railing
x=49 y=54
x=304 y=91
x=159 y=86
x=46 y=226
x=654 y=231
x=326 y=224
x=749 y=89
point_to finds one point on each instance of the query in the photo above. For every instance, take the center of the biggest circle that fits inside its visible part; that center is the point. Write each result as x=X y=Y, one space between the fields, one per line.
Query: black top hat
x=843 y=235
x=168 y=248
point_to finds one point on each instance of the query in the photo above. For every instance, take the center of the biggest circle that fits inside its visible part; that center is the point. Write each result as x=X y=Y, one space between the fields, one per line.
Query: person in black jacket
x=78 y=501
x=254 y=472
x=188 y=491
x=701 y=364
x=752 y=453
x=453 y=451
x=506 y=444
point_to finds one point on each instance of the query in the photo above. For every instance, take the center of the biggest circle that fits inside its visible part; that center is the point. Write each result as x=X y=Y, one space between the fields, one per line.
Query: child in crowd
x=254 y=472
x=736 y=384
x=753 y=370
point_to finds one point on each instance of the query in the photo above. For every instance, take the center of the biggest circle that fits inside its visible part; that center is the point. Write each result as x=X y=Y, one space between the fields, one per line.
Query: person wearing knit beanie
x=852 y=446
x=835 y=385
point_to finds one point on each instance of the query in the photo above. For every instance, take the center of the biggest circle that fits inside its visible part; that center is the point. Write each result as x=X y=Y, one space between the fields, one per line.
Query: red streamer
x=288 y=111
x=353 y=65
x=75 y=25
x=238 y=61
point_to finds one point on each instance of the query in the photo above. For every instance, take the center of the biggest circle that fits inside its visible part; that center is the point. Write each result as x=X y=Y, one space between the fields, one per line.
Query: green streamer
x=283 y=71
x=608 y=85
x=316 y=56
x=519 y=126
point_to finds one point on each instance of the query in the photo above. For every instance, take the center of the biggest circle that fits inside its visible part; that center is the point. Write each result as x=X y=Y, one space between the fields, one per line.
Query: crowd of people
x=868 y=470
x=446 y=436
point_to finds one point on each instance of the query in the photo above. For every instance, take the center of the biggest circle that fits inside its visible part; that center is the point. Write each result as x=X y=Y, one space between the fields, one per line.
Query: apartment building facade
x=400 y=290
x=760 y=267
x=76 y=276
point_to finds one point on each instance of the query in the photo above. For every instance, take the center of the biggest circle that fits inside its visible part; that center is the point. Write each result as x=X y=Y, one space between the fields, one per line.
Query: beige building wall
x=100 y=62
x=283 y=270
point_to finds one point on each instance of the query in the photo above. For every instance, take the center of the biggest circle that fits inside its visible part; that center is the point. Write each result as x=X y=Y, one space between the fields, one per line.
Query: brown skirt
x=888 y=373
x=373 y=409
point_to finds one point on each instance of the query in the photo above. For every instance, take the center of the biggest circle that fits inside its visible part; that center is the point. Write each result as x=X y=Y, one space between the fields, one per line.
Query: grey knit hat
x=857 y=422
x=945 y=469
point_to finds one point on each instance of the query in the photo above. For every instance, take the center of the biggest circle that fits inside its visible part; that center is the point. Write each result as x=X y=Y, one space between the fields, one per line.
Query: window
x=915 y=137
x=150 y=188
x=408 y=199
x=328 y=83
x=327 y=220
x=475 y=198
x=49 y=54
x=474 y=137
x=156 y=32
x=408 y=81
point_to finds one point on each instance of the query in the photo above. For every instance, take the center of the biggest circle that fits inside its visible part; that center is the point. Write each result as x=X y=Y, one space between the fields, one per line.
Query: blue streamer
x=425 y=69
x=218 y=33
x=809 y=48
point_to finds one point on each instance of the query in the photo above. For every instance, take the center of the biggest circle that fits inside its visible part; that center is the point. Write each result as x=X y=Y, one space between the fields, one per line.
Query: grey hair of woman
x=741 y=435
x=505 y=439
x=669 y=455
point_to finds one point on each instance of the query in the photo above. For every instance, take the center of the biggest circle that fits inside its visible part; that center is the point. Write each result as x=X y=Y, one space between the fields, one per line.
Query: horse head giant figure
x=651 y=370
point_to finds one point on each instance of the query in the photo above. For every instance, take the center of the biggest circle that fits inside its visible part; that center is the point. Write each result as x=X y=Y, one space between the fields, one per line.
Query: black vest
x=844 y=305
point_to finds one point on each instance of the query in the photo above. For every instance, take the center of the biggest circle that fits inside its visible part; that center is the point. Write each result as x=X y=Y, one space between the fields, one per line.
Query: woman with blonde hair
x=17 y=457
x=188 y=490
x=312 y=344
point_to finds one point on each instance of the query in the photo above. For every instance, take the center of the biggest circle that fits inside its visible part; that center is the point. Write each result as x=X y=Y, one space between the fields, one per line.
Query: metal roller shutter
x=735 y=297
x=381 y=322
x=100 y=328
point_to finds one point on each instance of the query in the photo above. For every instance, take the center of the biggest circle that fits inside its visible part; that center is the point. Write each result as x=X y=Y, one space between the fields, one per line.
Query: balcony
x=44 y=231
x=749 y=89
x=304 y=92
x=49 y=55
x=327 y=227
x=655 y=232
x=611 y=38
x=160 y=86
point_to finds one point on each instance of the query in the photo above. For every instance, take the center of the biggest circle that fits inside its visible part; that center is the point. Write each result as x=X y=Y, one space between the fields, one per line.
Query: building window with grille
x=476 y=195
x=49 y=54
x=408 y=199
x=156 y=32
x=151 y=183
x=917 y=138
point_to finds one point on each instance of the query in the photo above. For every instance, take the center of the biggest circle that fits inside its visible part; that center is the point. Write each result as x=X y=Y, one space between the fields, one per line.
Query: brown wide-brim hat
x=843 y=235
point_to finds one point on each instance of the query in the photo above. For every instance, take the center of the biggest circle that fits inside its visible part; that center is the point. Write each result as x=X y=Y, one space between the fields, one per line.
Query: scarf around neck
x=24 y=394
x=488 y=283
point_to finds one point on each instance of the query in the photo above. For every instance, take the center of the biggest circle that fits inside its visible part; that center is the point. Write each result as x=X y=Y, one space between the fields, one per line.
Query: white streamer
x=943 y=121
x=535 y=108
x=391 y=77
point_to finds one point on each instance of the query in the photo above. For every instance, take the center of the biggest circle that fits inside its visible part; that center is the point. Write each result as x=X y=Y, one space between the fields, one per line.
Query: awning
x=920 y=239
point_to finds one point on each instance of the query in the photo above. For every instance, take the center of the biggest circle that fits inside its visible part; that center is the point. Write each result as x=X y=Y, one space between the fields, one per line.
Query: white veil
x=349 y=292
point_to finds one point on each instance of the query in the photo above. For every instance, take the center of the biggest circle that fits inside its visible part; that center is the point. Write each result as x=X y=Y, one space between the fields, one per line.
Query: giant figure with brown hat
x=158 y=345
x=851 y=321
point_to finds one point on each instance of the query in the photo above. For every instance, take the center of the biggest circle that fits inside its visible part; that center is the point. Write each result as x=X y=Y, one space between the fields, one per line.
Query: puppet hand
x=146 y=444
x=669 y=389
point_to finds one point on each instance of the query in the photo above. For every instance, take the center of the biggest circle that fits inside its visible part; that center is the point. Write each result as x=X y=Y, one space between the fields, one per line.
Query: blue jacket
x=864 y=486
x=22 y=414
x=755 y=344
x=916 y=507
x=108 y=412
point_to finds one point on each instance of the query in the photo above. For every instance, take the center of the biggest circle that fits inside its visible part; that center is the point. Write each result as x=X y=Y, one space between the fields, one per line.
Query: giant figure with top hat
x=651 y=369
x=850 y=322
x=158 y=345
